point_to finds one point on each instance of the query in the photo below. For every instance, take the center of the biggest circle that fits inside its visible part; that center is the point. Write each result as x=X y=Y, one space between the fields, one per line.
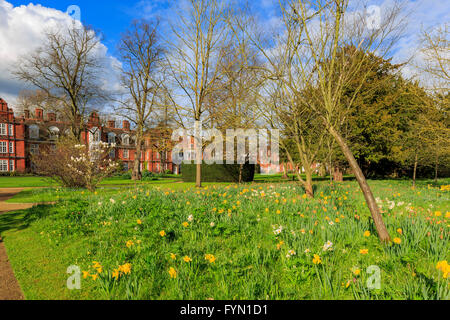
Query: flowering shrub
x=76 y=165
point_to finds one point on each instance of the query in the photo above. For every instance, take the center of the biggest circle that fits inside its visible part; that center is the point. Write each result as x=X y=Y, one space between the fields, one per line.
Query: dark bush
x=218 y=172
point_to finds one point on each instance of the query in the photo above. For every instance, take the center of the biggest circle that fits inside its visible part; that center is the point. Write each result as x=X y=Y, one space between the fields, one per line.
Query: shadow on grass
x=20 y=220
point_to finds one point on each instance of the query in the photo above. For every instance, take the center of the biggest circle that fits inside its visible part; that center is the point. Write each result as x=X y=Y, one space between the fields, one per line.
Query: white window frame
x=34 y=148
x=11 y=129
x=3 y=129
x=126 y=154
x=3 y=147
x=11 y=165
x=126 y=140
x=11 y=147
x=3 y=165
x=33 y=131
x=53 y=132
x=111 y=137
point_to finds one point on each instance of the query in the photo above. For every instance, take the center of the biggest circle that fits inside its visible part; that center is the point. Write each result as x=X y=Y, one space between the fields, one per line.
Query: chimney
x=3 y=105
x=51 y=116
x=111 y=124
x=27 y=114
x=39 y=114
x=126 y=125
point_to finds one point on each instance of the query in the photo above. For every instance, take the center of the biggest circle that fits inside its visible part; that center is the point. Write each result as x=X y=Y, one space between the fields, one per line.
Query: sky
x=22 y=23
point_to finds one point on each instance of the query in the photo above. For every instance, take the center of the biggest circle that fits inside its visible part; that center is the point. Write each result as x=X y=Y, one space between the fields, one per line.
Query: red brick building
x=20 y=137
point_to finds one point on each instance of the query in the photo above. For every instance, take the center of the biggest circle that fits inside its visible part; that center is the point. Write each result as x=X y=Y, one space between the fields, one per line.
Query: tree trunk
x=198 y=175
x=137 y=175
x=337 y=175
x=436 y=169
x=322 y=170
x=415 y=171
x=309 y=185
x=285 y=176
x=368 y=195
x=241 y=168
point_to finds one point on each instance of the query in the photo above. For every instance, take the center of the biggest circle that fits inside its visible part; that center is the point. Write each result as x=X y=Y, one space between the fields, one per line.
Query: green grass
x=21 y=182
x=33 y=181
x=250 y=259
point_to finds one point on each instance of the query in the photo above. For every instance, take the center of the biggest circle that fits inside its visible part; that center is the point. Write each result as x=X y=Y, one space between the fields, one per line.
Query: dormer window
x=95 y=135
x=33 y=132
x=126 y=139
x=111 y=137
x=54 y=132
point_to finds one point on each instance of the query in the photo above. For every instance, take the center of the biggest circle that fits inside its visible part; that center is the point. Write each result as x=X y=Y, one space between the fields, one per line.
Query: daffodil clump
x=255 y=241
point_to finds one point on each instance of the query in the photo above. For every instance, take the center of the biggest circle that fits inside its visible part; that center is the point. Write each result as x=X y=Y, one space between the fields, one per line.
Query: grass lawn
x=24 y=182
x=255 y=241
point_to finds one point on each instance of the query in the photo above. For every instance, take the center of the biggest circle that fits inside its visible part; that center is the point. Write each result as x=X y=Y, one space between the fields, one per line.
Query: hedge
x=218 y=172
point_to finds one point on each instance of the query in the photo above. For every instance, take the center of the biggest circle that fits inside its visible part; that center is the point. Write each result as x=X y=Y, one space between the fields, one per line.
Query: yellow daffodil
x=316 y=259
x=172 y=273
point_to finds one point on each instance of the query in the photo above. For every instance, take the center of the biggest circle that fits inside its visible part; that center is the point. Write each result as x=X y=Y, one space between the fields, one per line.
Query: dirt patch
x=9 y=287
x=5 y=207
x=6 y=193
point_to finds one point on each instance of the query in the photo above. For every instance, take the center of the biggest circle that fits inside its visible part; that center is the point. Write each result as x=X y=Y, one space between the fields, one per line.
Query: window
x=3 y=165
x=3 y=147
x=111 y=137
x=11 y=130
x=126 y=139
x=125 y=166
x=11 y=147
x=3 y=129
x=34 y=149
x=112 y=153
x=125 y=154
x=53 y=132
x=33 y=131
x=11 y=165
x=95 y=135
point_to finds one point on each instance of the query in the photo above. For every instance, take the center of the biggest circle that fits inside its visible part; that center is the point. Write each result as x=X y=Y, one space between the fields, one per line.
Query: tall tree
x=200 y=36
x=313 y=33
x=141 y=56
x=66 y=68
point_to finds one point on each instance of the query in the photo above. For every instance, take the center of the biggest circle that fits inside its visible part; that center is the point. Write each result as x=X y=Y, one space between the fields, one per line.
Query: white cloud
x=22 y=30
x=421 y=15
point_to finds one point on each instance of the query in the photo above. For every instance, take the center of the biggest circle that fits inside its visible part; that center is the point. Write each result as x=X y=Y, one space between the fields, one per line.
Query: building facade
x=21 y=137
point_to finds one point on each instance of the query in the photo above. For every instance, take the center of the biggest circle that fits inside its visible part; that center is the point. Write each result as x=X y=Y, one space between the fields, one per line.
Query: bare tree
x=314 y=36
x=28 y=99
x=66 y=69
x=141 y=56
x=200 y=37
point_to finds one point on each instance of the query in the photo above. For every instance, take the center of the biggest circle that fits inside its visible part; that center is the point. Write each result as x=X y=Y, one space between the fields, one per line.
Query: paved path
x=9 y=287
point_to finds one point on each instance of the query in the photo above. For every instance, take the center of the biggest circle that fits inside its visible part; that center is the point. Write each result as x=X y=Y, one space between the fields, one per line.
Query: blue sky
x=111 y=17
x=22 y=23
